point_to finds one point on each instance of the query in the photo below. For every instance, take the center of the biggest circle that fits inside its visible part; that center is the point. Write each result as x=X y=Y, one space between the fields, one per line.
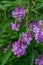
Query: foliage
x=7 y=36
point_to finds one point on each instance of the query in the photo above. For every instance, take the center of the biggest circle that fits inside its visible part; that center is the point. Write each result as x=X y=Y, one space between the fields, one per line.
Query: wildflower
x=19 y=48
x=39 y=36
x=27 y=37
x=34 y=26
x=41 y=22
x=39 y=60
x=15 y=26
x=19 y=13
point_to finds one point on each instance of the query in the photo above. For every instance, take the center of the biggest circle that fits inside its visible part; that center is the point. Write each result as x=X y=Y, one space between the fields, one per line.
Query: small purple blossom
x=27 y=37
x=39 y=60
x=34 y=25
x=19 y=13
x=15 y=26
x=5 y=49
x=19 y=48
x=40 y=22
x=39 y=36
x=37 y=30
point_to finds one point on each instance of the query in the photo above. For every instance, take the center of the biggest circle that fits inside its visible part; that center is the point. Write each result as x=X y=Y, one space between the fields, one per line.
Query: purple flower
x=39 y=36
x=37 y=30
x=39 y=60
x=40 y=22
x=19 y=13
x=34 y=26
x=19 y=48
x=5 y=49
x=27 y=37
x=15 y=26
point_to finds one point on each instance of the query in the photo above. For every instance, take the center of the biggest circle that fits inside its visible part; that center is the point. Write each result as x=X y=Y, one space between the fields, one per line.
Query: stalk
x=5 y=14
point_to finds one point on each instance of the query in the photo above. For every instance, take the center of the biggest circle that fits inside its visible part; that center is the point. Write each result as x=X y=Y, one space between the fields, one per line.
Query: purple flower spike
x=37 y=30
x=34 y=26
x=15 y=26
x=19 y=13
x=40 y=22
x=19 y=48
x=39 y=60
x=39 y=36
x=27 y=37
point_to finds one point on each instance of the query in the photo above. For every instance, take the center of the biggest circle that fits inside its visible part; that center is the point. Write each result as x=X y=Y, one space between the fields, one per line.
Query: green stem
x=4 y=14
x=34 y=11
x=19 y=2
x=27 y=17
x=20 y=36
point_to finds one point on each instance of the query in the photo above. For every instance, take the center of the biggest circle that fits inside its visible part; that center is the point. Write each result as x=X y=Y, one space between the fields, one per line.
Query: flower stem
x=4 y=14
x=19 y=2
x=27 y=17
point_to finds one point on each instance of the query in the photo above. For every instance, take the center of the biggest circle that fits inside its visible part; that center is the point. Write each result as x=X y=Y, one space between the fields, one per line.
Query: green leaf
x=6 y=56
x=32 y=57
x=1 y=7
x=8 y=4
x=38 y=6
x=39 y=0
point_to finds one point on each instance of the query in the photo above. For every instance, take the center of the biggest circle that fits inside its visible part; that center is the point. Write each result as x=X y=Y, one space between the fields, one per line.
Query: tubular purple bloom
x=19 y=48
x=40 y=22
x=37 y=29
x=39 y=36
x=19 y=13
x=34 y=25
x=27 y=37
x=39 y=60
x=15 y=26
